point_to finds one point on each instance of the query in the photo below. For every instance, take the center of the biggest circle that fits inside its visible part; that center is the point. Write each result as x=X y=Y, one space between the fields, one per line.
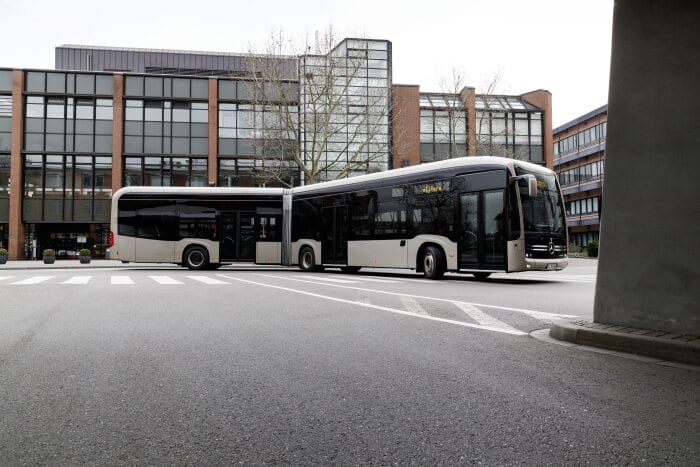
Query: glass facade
x=5 y=139
x=443 y=127
x=345 y=109
x=508 y=126
x=257 y=128
x=582 y=139
x=166 y=117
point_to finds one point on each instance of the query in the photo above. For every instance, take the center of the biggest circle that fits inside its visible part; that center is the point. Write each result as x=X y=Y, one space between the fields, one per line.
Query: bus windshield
x=545 y=213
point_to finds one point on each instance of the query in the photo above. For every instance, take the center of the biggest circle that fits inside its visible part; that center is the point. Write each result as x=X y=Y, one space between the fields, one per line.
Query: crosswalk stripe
x=207 y=280
x=121 y=280
x=482 y=318
x=165 y=280
x=412 y=305
x=33 y=280
x=78 y=280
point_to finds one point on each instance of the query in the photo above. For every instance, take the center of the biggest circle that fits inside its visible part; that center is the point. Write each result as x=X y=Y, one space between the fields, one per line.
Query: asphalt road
x=242 y=365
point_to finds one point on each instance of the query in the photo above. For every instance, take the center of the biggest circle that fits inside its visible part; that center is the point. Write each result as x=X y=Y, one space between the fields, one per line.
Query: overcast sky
x=562 y=46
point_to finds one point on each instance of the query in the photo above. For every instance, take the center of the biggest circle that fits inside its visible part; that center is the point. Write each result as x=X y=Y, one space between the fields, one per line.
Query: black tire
x=307 y=259
x=214 y=266
x=195 y=258
x=433 y=263
x=481 y=276
x=350 y=269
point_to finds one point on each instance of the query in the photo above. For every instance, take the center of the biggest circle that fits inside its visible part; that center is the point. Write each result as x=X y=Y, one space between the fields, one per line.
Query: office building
x=111 y=117
x=579 y=159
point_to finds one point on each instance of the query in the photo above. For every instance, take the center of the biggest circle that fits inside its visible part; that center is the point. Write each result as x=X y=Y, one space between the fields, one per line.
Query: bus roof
x=471 y=161
x=222 y=191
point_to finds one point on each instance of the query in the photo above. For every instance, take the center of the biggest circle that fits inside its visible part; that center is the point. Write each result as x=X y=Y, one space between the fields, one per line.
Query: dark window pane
x=200 y=89
x=36 y=81
x=85 y=84
x=154 y=87
x=227 y=90
x=104 y=85
x=134 y=86
x=56 y=82
x=181 y=87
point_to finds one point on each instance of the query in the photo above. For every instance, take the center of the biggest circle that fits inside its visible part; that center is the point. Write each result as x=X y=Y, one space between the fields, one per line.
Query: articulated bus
x=475 y=215
x=199 y=228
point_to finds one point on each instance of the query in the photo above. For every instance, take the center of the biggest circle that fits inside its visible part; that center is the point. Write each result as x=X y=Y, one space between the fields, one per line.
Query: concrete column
x=649 y=268
x=118 y=133
x=543 y=100
x=16 y=235
x=213 y=163
x=405 y=125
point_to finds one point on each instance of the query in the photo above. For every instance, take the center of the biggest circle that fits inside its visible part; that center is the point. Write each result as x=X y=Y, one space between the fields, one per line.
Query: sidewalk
x=106 y=263
x=655 y=344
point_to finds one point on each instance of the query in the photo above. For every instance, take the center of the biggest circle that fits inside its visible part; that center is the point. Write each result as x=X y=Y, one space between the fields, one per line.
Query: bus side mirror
x=531 y=183
x=532 y=186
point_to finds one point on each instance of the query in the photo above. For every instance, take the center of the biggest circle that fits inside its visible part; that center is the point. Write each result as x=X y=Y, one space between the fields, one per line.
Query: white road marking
x=337 y=281
x=372 y=279
x=6 y=277
x=165 y=280
x=533 y=313
x=377 y=307
x=121 y=280
x=33 y=280
x=412 y=305
x=207 y=280
x=78 y=280
x=482 y=318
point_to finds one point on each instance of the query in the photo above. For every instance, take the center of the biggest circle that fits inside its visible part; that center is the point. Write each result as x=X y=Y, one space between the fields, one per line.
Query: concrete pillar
x=213 y=162
x=16 y=226
x=405 y=125
x=649 y=268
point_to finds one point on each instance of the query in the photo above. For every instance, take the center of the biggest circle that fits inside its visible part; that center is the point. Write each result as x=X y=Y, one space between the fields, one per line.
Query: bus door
x=482 y=232
x=334 y=247
x=237 y=236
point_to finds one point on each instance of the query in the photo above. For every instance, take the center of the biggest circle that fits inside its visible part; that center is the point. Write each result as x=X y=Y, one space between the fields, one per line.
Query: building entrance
x=67 y=239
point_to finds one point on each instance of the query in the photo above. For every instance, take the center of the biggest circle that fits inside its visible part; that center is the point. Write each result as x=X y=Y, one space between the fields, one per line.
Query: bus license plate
x=551 y=266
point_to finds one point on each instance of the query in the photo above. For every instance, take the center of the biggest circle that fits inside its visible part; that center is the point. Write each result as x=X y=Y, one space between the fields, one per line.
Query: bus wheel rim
x=196 y=258
x=428 y=263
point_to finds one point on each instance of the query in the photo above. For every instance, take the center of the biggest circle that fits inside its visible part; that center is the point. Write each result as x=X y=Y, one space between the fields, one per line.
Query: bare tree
x=489 y=126
x=327 y=119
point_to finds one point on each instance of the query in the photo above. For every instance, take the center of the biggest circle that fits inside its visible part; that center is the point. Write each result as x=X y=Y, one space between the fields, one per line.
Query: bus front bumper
x=554 y=264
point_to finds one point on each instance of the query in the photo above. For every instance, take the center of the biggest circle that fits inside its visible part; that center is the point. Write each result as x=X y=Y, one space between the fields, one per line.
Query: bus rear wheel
x=433 y=263
x=481 y=276
x=195 y=258
x=307 y=259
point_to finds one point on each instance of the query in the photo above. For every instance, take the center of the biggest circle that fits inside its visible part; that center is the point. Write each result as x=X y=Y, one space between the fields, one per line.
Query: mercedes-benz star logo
x=550 y=248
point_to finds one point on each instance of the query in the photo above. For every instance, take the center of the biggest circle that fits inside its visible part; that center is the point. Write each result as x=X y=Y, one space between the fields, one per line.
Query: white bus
x=473 y=214
x=476 y=214
x=199 y=228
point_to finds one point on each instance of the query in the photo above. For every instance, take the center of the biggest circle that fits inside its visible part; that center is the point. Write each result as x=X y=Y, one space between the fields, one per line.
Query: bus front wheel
x=195 y=258
x=307 y=259
x=433 y=263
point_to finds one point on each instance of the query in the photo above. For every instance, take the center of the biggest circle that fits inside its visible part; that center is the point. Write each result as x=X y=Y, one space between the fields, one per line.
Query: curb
x=655 y=344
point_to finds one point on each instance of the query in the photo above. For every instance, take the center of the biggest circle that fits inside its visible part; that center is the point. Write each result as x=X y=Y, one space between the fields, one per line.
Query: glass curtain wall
x=166 y=131
x=257 y=135
x=5 y=143
x=345 y=125
x=67 y=147
x=510 y=127
x=443 y=127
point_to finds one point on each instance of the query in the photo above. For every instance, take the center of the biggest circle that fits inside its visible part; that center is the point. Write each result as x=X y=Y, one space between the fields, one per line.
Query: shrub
x=85 y=252
x=592 y=249
x=3 y=252
x=49 y=252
